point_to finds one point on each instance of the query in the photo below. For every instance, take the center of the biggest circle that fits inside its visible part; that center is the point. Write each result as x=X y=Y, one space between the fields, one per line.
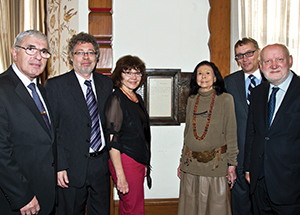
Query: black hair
x=218 y=85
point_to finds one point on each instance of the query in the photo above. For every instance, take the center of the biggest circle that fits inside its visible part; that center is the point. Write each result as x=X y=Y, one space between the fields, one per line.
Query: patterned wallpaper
x=62 y=24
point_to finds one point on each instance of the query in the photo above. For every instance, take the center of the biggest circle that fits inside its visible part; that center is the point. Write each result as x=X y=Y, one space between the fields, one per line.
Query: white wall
x=164 y=34
x=234 y=37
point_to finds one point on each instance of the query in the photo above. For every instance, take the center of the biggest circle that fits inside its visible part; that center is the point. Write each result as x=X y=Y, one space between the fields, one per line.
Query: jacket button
x=267 y=138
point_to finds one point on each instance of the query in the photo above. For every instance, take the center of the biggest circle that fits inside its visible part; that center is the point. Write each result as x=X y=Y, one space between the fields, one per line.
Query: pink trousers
x=131 y=203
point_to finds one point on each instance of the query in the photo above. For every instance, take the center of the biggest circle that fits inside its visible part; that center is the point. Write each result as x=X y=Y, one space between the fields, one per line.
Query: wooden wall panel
x=156 y=207
x=219 y=42
x=100 y=24
x=100 y=3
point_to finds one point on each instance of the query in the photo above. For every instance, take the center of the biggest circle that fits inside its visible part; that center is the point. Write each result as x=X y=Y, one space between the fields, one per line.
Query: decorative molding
x=219 y=42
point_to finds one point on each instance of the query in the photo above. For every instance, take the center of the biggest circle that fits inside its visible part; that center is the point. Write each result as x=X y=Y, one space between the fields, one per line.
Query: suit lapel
x=75 y=90
x=24 y=95
x=99 y=91
x=292 y=91
x=240 y=83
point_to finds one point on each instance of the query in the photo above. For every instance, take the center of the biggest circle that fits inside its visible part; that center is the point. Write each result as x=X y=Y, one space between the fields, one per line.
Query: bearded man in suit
x=27 y=169
x=272 y=158
x=239 y=84
x=78 y=99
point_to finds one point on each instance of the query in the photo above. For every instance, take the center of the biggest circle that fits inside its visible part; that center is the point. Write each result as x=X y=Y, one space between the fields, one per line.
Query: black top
x=129 y=123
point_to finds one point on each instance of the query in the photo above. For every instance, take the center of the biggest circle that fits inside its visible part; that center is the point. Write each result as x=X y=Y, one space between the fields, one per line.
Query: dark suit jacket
x=26 y=149
x=235 y=85
x=280 y=144
x=73 y=122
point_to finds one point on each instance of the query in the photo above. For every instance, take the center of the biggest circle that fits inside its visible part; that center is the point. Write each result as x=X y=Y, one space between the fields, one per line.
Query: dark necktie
x=272 y=102
x=40 y=105
x=250 y=87
x=96 y=140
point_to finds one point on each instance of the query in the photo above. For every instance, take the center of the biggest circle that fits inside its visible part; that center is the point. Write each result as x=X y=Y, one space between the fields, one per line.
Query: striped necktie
x=250 y=87
x=96 y=140
x=39 y=105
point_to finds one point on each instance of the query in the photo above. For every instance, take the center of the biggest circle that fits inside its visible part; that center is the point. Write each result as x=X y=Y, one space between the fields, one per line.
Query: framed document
x=161 y=96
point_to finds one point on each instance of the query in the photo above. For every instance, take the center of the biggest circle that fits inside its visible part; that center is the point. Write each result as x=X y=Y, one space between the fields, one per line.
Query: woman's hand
x=231 y=176
x=122 y=184
x=179 y=171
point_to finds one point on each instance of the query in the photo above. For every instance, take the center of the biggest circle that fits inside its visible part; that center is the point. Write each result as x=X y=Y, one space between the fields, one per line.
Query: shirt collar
x=25 y=80
x=82 y=80
x=256 y=74
x=285 y=84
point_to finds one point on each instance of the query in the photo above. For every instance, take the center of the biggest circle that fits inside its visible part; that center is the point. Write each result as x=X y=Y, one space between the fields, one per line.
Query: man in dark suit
x=77 y=99
x=27 y=172
x=239 y=85
x=272 y=157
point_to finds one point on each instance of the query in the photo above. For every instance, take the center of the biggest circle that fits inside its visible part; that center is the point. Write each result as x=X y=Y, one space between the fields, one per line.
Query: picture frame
x=161 y=96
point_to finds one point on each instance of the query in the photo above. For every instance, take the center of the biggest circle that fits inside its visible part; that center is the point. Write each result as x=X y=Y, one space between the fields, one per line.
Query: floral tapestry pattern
x=62 y=21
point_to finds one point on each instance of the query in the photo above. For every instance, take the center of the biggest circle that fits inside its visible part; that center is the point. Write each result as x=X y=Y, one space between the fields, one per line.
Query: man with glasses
x=77 y=100
x=239 y=84
x=27 y=169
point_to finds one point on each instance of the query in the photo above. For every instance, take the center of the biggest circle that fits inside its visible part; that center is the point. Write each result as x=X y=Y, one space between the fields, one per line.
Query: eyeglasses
x=31 y=50
x=131 y=74
x=89 y=53
x=247 y=54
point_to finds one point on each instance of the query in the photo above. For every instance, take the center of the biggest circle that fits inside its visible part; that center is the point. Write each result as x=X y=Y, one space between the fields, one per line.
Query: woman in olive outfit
x=209 y=154
x=128 y=127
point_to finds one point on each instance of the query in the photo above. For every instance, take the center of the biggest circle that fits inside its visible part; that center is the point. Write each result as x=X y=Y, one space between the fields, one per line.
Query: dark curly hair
x=82 y=38
x=218 y=85
x=128 y=62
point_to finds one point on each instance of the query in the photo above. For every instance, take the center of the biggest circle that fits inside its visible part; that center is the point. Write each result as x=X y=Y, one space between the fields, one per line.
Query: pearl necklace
x=127 y=94
x=208 y=118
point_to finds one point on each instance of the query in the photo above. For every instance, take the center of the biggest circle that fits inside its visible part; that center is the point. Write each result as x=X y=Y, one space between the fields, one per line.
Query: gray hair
x=284 y=47
x=30 y=33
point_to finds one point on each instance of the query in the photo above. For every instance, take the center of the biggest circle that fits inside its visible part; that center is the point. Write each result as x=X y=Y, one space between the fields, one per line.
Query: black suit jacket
x=235 y=85
x=73 y=122
x=26 y=149
x=280 y=144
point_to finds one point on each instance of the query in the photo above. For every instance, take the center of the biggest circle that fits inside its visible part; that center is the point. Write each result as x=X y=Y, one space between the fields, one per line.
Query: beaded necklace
x=127 y=94
x=208 y=118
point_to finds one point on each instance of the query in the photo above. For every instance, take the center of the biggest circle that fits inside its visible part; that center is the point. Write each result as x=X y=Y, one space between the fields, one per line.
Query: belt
x=206 y=156
x=96 y=154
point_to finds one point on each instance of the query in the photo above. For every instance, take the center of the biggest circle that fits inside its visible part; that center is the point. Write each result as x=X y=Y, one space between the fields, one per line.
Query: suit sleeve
x=13 y=183
x=53 y=97
x=249 y=138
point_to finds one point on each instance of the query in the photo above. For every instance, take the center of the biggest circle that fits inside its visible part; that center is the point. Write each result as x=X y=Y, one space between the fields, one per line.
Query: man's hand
x=62 y=179
x=247 y=176
x=32 y=207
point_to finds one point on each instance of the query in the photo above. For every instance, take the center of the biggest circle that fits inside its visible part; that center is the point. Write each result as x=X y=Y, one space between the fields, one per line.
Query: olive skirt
x=201 y=195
